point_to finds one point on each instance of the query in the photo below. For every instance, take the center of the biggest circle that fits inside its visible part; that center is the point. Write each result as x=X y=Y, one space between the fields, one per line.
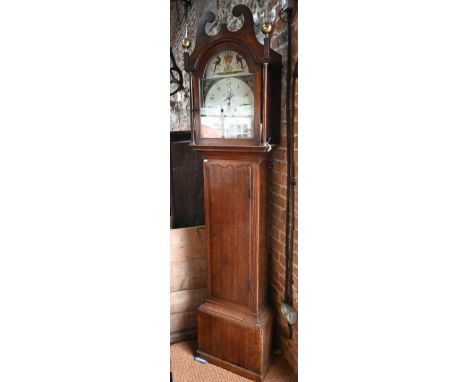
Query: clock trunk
x=235 y=324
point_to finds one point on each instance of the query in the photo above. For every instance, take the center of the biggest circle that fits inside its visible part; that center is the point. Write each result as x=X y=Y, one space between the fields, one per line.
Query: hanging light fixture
x=176 y=76
x=186 y=43
x=265 y=18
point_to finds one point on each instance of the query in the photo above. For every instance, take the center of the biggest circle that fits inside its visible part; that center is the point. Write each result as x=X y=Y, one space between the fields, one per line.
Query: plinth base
x=236 y=341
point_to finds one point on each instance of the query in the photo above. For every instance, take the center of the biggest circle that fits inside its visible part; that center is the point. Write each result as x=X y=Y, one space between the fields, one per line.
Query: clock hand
x=228 y=98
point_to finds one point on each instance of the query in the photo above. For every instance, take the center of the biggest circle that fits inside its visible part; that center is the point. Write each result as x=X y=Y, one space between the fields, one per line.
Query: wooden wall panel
x=186 y=185
x=187 y=243
x=188 y=280
x=187 y=300
x=183 y=321
x=188 y=275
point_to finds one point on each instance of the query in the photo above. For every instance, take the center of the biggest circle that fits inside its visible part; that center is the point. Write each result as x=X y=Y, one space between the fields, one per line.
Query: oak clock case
x=235 y=105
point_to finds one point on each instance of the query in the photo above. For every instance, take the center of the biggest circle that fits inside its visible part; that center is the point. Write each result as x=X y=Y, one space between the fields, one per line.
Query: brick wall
x=278 y=164
x=277 y=205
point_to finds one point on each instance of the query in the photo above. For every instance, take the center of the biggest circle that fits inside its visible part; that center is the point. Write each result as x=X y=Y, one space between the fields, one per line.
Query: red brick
x=282 y=237
x=276 y=243
x=276 y=255
x=280 y=266
x=295 y=270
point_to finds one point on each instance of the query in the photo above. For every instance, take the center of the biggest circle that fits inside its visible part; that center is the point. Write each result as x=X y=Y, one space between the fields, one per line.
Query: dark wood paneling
x=186 y=185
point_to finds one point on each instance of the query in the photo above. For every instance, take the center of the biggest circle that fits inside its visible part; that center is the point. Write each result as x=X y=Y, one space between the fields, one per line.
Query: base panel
x=237 y=342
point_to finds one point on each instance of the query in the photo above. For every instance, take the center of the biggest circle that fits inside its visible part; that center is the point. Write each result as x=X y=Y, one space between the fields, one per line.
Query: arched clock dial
x=230 y=94
x=228 y=110
x=227 y=98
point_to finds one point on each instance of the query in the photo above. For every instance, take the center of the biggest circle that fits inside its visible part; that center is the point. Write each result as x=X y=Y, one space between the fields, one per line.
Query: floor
x=185 y=369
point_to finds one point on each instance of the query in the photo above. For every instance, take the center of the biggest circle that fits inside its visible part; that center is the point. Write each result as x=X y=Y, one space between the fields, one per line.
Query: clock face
x=227 y=98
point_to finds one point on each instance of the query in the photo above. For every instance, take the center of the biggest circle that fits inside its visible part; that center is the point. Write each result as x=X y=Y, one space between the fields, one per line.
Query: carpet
x=186 y=369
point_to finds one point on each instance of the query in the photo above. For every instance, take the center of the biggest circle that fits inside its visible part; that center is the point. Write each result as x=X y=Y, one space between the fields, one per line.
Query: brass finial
x=267 y=27
x=186 y=43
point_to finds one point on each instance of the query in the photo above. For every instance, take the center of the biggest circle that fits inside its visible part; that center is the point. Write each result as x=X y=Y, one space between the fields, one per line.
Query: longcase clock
x=235 y=115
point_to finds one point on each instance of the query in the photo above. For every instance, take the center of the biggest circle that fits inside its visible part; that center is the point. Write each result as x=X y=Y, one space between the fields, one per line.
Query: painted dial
x=231 y=96
x=228 y=110
x=226 y=63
